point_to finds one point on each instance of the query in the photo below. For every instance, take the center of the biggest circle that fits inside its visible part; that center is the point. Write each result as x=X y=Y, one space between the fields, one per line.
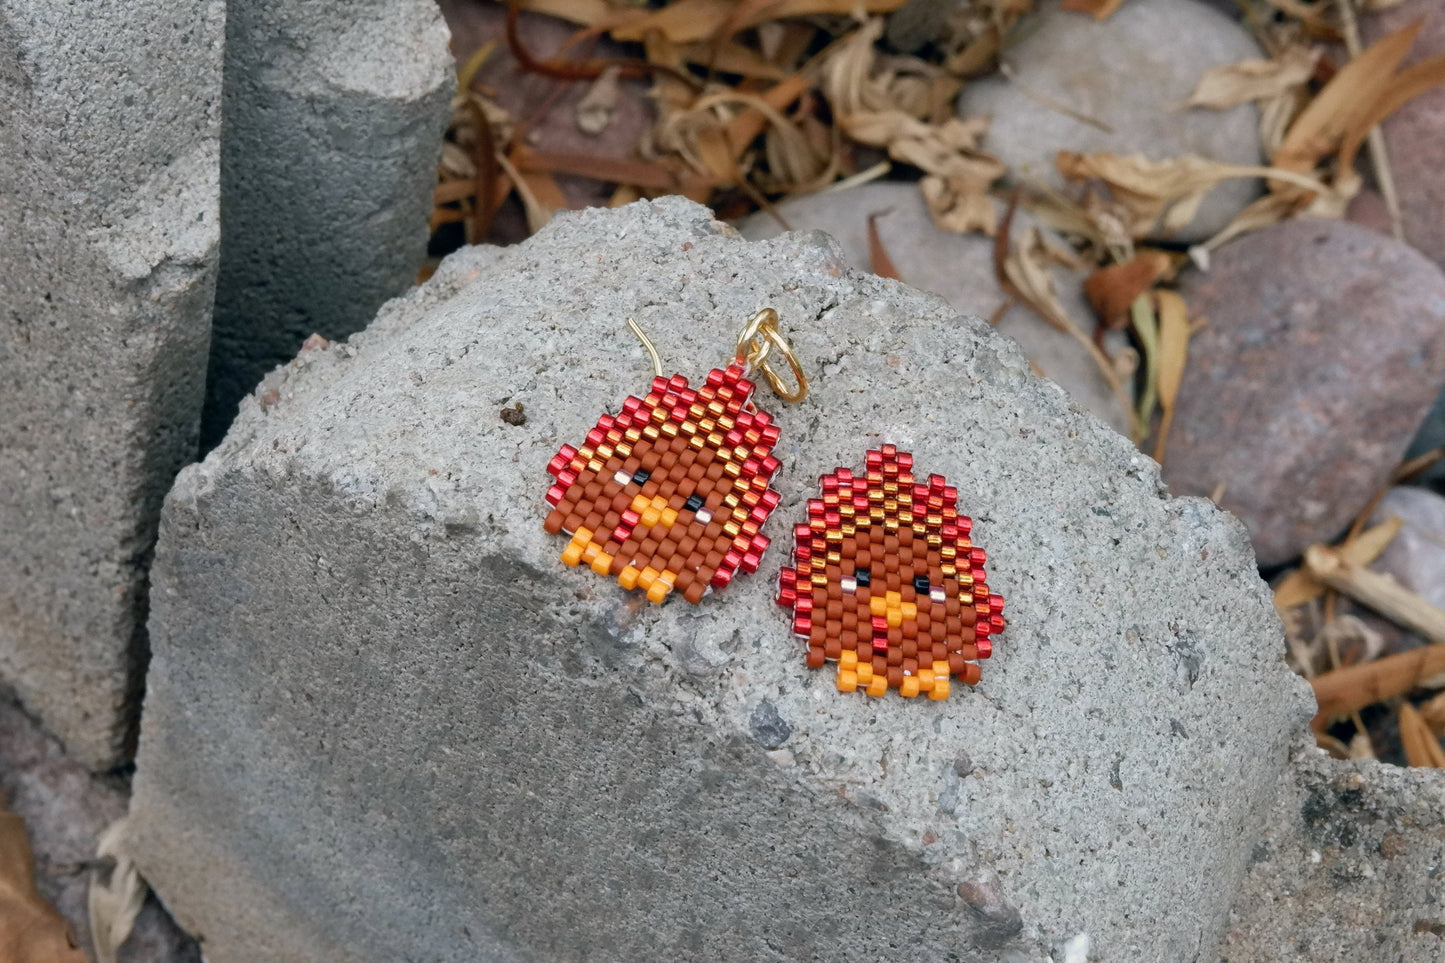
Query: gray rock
x=406 y=730
x=334 y=117
x=1348 y=868
x=1416 y=556
x=1130 y=72
x=957 y=266
x=65 y=808
x=109 y=134
x=1317 y=330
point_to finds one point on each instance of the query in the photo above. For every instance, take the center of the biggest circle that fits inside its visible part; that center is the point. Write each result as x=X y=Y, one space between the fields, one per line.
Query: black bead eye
x=694 y=502
x=863 y=576
x=641 y=476
x=920 y=584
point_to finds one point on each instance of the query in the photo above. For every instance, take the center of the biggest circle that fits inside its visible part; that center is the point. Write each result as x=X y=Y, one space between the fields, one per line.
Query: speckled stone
x=1130 y=72
x=1325 y=348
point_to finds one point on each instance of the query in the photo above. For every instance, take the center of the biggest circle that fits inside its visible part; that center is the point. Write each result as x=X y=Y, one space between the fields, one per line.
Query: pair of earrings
x=671 y=493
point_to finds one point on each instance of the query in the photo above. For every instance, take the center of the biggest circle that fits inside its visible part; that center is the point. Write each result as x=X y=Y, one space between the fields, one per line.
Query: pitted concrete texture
x=109 y=157
x=385 y=722
x=334 y=117
x=1348 y=867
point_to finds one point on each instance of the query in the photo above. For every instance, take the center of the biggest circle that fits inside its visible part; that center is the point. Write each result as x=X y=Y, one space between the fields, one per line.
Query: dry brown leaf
x=1023 y=268
x=1297 y=587
x=31 y=930
x=599 y=105
x=1376 y=591
x=1354 y=687
x=1403 y=87
x=1343 y=103
x=878 y=260
x=1165 y=193
x=1433 y=711
x=1230 y=85
x=1421 y=746
x=686 y=21
x=540 y=195
x=117 y=900
x=1173 y=354
x=1113 y=288
x=1098 y=9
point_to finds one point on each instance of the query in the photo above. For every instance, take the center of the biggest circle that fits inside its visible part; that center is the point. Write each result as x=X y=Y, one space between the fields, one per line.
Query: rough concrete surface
x=334 y=116
x=384 y=722
x=958 y=267
x=109 y=134
x=1348 y=867
x=65 y=809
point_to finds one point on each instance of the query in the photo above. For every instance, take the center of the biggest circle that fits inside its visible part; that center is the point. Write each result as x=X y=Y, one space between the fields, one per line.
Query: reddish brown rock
x=1415 y=135
x=548 y=107
x=1324 y=349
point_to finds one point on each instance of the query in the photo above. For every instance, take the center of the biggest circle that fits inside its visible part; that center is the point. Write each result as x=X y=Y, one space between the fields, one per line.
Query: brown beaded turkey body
x=887 y=584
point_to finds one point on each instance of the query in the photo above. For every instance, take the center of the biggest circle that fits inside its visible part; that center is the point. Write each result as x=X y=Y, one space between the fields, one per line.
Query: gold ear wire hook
x=757 y=340
x=647 y=346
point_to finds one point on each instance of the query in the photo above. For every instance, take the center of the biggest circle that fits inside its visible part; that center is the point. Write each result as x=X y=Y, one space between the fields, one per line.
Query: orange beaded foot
x=670 y=494
x=886 y=582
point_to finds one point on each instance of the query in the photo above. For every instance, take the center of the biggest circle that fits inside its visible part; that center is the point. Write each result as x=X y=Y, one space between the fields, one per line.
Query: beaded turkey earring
x=672 y=492
x=886 y=582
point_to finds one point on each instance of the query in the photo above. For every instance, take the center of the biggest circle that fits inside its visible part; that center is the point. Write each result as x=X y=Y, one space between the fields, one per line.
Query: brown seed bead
x=818 y=634
x=909 y=648
x=910 y=666
x=895 y=676
x=832 y=648
x=848 y=639
x=895 y=655
x=922 y=622
x=849 y=619
x=895 y=581
x=572 y=522
x=895 y=635
x=863 y=594
x=676 y=502
x=863 y=559
x=834 y=590
x=621 y=502
x=968 y=615
x=880 y=665
x=956 y=663
x=890 y=545
x=676 y=564
x=666 y=548
x=940 y=652
x=553 y=524
x=909 y=628
x=968 y=651
x=905 y=557
x=971 y=674
x=966 y=635
x=694 y=592
x=651 y=460
x=816 y=657
x=835 y=610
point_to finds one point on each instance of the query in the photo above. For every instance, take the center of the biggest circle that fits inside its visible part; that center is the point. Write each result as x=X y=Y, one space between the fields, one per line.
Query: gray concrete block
x=334 y=118
x=1348 y=867
x=109 y=152
x=385 y=722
